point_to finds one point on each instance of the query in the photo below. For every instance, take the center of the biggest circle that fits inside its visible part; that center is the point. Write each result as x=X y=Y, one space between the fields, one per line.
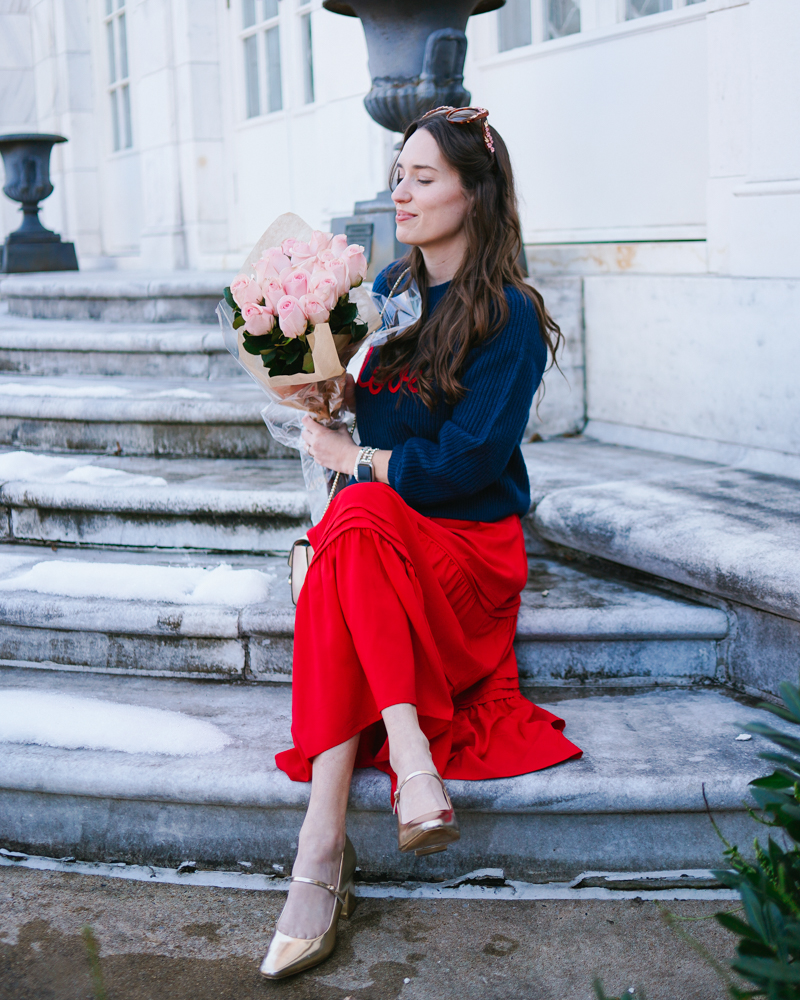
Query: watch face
x=364 y=473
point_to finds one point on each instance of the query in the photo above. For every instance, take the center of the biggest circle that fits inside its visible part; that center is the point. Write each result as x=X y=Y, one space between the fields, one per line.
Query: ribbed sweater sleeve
x=475 y=445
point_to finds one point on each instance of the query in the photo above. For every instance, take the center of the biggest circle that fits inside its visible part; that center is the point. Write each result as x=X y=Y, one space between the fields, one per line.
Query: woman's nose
x=400 y=194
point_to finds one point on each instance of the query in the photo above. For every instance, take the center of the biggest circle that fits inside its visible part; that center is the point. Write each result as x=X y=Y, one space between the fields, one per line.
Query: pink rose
x=244 y=290
x=301 y=252
x=320 y=241
x=277 y=258
x=338 y=268
x=296 y=284
x=325 y=256
x=273 y=291
x=286 y=247
x=356 y=264
x=258 y=320
x=325 y=288
x=339 y=244
x=264 y=270
x=314 y=310
x=291 y=317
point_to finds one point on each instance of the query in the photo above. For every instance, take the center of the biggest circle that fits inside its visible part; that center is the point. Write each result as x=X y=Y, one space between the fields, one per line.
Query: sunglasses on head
x=465 y=116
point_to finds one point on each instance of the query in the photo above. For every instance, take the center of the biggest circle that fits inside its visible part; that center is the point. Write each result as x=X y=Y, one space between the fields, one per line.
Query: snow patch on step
x=220 y=585
x=26 y=466
x=70 y=723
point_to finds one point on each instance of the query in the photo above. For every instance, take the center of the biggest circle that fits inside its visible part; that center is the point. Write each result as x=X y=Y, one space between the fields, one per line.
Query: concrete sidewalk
x=190 y=943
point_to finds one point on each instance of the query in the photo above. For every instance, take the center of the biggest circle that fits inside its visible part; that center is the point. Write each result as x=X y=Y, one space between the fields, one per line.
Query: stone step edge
x=119 y=286
x=173 y=499
x=119 y=410
x=29 y=609
x=89 y=342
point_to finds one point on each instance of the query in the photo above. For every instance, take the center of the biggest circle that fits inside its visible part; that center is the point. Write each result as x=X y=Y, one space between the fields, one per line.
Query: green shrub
x=769 y=928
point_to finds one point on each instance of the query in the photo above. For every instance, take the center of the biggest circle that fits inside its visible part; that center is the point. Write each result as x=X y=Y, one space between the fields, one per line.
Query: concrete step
x=99 y=780
x=727 y=535
x=117 y=296
x=169 y=615
x=181 y=418
x=225 y=505
x=68 y=347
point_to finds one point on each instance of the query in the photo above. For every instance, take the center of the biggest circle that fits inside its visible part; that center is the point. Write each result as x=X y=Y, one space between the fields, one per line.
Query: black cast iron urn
x=416 y=54
x=26 y=159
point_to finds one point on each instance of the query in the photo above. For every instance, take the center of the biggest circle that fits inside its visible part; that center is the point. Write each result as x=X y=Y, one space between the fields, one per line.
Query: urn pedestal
x=416 y=60
x=26 y=159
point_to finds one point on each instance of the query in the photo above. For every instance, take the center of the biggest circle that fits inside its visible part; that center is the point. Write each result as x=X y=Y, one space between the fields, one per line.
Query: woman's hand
x=332 y=448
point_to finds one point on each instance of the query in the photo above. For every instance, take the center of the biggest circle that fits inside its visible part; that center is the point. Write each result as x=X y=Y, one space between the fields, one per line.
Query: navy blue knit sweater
x=461 y=461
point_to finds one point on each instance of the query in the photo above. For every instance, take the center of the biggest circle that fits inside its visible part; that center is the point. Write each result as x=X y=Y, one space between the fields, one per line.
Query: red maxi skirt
x=401 y=608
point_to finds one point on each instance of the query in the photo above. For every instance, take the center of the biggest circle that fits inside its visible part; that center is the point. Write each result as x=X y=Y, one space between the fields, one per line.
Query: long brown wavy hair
x=435 y=348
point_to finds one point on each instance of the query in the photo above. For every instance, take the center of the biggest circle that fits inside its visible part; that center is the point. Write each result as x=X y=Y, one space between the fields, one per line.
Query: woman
x=406 y=663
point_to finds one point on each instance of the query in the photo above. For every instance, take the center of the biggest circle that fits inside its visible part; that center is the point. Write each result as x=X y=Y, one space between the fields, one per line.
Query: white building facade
x=655 y=143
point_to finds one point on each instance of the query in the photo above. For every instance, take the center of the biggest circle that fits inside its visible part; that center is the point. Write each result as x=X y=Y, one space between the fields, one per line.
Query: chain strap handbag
x=301 y=552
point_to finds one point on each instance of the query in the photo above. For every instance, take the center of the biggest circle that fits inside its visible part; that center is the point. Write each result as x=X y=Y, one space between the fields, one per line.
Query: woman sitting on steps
x=404 y=655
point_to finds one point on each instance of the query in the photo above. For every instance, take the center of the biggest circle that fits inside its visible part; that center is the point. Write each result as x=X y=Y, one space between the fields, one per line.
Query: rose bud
x=320 y=241
x=286 y=247
x=338 y=268
x=325 y=255
x=356 y=264
x=339 y=244
x=300 y=253
x=291 y=317
x=325 y=287
x=296 y=283
x=264 y=270
x=273 y=292
x=277 y=258
x=244 y=290
x=314 y=310
x=258 y=320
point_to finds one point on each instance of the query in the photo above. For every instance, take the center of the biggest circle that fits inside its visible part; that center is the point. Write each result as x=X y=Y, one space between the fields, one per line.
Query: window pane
x=274 y=91
x=127 y=134
x=114 y=119
x=641 y=8
x=248 y=12
x=514 y=25
x=563 y=18
x=120 y=4
x=112 y=61
x=270 y=9
x=109 y=6
x=123 y=47
x=251 y=76
x=308 y=58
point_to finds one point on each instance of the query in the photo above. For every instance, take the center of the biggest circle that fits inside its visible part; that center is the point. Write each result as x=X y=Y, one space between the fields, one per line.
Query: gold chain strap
x=335 y=483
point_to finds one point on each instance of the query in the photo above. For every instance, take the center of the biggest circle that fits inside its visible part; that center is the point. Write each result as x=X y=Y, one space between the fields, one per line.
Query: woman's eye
x=425 y=180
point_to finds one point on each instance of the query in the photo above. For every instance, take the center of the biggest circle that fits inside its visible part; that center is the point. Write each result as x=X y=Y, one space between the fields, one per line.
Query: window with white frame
x=514 y=25
x=561 y=17
x=306 y=52
x=118 y=80
x=261 y=40
x=641 y=8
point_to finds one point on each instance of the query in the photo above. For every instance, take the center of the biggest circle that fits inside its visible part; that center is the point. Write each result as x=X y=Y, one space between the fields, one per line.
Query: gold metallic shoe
x=431 y=832
x=288 y=955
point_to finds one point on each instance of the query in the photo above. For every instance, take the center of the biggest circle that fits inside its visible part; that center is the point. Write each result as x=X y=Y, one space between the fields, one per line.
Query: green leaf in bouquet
x=238 y=321
x=344 y=312
x=308 y=364
x=230 y=299
x=359 y=331
x=252 y=345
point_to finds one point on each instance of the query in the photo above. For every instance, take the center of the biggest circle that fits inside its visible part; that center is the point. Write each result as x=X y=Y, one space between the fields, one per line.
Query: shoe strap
x=323 y=885
x=415 y=774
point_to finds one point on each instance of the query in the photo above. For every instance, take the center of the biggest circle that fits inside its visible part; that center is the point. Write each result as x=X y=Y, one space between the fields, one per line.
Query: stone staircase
x=145 y=514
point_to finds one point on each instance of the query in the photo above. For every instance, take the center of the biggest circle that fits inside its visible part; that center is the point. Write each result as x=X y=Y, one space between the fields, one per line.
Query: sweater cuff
x=395 y=459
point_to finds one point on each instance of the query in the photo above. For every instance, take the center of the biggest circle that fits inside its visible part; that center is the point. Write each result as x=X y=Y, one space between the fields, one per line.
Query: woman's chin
x=403 y=234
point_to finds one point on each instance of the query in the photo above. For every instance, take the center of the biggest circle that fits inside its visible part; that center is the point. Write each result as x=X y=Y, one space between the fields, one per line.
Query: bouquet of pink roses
x=297 y=286
x=291 y=320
